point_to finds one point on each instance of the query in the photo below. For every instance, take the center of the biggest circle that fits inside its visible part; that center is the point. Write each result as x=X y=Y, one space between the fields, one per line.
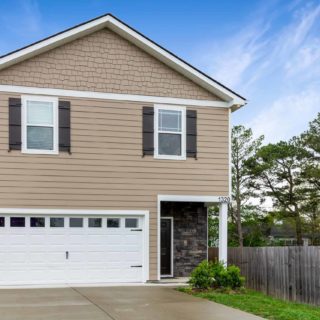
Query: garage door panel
x=37 y=239
x=37 y=255
x=55 y=240
x=18 y=239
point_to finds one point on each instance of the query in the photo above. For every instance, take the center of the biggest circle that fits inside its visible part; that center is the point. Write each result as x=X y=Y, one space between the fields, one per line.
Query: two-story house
x=111 y=150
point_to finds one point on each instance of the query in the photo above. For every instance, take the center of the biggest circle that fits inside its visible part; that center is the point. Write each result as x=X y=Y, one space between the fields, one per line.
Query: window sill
x=34 y=151
x=164 y=157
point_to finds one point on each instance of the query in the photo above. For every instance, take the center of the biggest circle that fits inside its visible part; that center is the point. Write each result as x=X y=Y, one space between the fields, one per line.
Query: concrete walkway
x=117 y=303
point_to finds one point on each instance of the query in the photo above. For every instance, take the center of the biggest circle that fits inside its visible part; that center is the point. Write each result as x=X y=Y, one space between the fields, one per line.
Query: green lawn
x=262 y=305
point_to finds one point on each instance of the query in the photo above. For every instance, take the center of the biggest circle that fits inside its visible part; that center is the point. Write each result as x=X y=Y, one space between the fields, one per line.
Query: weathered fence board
x=290 y=273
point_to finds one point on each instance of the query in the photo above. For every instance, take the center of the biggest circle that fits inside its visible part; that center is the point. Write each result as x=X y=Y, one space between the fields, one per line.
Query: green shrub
x=234 y=278
x=215 y=275
x=202 y=277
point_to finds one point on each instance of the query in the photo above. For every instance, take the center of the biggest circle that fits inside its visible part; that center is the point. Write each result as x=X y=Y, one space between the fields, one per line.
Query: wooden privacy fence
x=290 y=273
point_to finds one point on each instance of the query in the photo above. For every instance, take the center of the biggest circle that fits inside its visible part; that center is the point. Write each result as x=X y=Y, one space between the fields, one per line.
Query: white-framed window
x=169 y=132
x=40 y=128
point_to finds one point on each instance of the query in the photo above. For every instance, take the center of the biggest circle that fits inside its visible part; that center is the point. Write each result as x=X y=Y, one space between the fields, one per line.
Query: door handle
x=67 y=255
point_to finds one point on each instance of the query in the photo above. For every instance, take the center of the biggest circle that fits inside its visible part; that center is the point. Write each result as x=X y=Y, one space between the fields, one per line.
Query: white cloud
x=238 y=55
x=276 y=65
x=287 y=116
x=306 y=58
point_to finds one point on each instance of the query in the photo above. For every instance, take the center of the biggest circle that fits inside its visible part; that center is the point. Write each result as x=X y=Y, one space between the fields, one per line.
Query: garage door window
x=113 y=223
x=95 y=222
x=131 y=223
x=1 y=221
x=56 y=222
x=37 y=222
x=76 y=222
x=17 y=222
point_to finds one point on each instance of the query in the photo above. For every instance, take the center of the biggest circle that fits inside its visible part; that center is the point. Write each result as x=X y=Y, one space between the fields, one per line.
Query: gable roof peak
x=113 y=23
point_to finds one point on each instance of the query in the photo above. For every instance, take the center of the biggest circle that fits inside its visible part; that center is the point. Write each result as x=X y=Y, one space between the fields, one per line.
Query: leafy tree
x=213 y=226
x=310 y=140
x=256 y=226
x=213 y=229
x=243 y=147
x=311 y=211
x=278 y=174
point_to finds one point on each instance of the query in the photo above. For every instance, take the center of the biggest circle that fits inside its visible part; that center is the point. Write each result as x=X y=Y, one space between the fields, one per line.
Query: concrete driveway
x=117 y=303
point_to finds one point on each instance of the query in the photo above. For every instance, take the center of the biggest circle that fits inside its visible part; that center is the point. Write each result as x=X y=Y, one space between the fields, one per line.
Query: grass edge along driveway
x=261 y=305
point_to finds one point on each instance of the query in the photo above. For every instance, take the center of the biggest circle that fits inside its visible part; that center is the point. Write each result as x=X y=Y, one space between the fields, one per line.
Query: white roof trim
x=112 y=96
x=22 y=211
x=191 y=198
x=134 y=37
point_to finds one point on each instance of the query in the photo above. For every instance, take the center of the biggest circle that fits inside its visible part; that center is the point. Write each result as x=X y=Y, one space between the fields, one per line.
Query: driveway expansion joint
x=95 y=304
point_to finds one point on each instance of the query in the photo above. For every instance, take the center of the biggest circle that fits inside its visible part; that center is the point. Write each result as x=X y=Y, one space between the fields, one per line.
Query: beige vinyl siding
x=106 y=169
x=103 y=62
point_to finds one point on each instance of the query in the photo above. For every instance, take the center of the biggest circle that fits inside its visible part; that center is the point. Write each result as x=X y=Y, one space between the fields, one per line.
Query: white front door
x=69 y=249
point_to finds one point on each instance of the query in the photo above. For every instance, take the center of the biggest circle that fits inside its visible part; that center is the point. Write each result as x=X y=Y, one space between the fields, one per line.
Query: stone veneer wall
x=189 y=233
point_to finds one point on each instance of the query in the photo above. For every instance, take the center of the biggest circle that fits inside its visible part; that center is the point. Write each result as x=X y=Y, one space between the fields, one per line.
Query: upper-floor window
x=170 y=132
x=39 y=125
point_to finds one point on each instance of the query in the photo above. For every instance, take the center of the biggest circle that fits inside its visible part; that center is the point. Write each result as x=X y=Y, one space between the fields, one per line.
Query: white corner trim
x=230 y=154
x=113 y=96
x=132 y=36
x=146 y=245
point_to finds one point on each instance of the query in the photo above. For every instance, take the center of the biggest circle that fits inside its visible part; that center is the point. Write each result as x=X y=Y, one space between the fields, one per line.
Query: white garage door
x=65 y=249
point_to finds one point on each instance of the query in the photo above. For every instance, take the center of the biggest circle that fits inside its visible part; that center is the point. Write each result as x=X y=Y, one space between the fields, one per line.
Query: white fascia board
x=112 y=96
x=186 y=198
x=82 y=212
x=132 y=36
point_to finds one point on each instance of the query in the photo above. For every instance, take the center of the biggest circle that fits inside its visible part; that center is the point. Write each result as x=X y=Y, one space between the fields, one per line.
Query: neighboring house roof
x=141 y=41
x=287 y=231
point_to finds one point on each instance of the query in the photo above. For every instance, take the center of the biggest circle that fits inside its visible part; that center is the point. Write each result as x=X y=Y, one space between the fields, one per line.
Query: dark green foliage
x=215 y=275
x=243 y=146
x=202 y=277
x=276 y=169
x=288 y=174
x=227 y=277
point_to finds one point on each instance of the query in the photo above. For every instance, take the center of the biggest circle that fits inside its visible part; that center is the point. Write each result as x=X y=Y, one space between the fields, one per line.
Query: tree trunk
x=238 y=211
x=313 y=228
x=298 y=228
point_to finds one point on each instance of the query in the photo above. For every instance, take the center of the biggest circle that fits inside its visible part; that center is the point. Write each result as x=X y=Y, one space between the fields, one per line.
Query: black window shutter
x=14 y=124
x=192 y=134
x=147 y=131
x=64 y=126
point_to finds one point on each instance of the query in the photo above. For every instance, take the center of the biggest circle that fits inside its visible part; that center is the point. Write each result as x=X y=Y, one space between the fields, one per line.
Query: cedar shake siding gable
x=103 y=62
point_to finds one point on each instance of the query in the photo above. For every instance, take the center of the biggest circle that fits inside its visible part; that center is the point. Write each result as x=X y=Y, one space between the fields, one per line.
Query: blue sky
x=268 y=51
